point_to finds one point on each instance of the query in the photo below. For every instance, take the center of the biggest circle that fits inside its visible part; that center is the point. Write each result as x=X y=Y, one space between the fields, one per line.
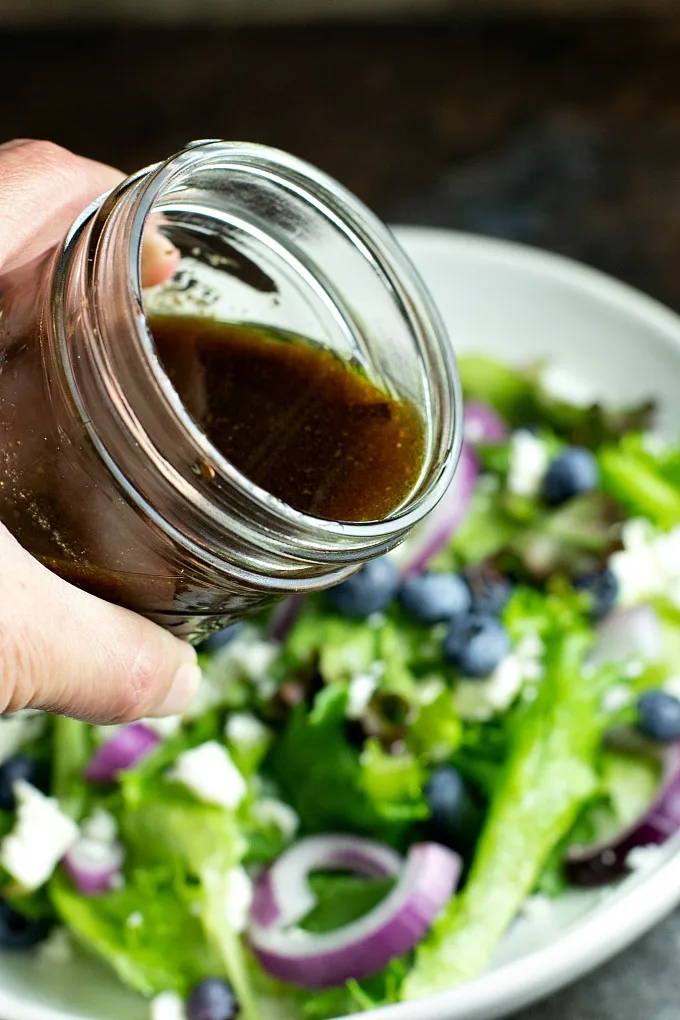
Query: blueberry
x=369 y=591
x=15 y=768
x=475 y=644
x=432 y=598
x=212 y=999
x=219 y=639
x=454 y=814
x=18 y=932
x=490 y=589
x=602 y=586
x=659 y=716
x=570 y=474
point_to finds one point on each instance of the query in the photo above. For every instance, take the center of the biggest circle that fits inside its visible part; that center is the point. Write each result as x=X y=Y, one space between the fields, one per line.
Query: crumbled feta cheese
x=100 y=827
x=648 y=565
x=57 y=948
x=430 y=689
x=537 y=907
x=239 y=898
x=210 y=774
x=244 y=729
x=528 y=464
x=135 y=920
x=644 y=858
x=654 y=443
x=164 y=728
x=360 y=691
x=17 y=730
x=531 y=647
x=561 y=384
x=482 y=699
x=167 y=1006
x=272 y=811
x=41 y=836
x=616 y=697
x=248 y=657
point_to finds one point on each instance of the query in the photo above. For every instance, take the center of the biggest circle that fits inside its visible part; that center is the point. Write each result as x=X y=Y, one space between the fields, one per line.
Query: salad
x=373 y=783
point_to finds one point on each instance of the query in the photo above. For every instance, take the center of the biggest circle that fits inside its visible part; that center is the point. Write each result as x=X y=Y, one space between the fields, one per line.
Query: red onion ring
x=364 y=947
x=282 y=894
x=283 y=617
x=93 y=866
x=601 y=863
x=483 y=424
x=436 y=531
x=122 y=751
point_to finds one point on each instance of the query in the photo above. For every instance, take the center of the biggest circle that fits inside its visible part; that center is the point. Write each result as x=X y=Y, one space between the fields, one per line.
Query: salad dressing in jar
x=283 y=409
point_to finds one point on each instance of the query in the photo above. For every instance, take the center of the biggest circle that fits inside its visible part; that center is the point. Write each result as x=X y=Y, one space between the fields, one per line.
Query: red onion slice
x=122 y=751
x=283 y=895
x=94 y=866
x=628 y=635
x=447 y=516
x=601 y=863
x=364 y=947
x=483 y=424
x=284 y=616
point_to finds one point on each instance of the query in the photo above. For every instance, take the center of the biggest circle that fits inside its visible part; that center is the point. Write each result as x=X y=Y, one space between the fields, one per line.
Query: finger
x=44 y=188
x=63 y=650
x=160 y=258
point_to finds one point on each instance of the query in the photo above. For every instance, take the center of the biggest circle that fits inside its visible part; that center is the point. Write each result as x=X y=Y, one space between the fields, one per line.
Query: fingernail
x=182 y=691
x=160 y=258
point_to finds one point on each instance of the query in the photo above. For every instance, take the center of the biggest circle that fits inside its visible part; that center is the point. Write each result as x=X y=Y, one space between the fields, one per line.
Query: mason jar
x=104 y=475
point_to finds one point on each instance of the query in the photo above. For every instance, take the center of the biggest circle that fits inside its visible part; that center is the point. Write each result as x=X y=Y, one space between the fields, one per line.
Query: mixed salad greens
x=373 y=782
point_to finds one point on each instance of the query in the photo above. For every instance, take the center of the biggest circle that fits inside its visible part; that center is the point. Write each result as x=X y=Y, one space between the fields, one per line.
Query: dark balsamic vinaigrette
x=293 y=417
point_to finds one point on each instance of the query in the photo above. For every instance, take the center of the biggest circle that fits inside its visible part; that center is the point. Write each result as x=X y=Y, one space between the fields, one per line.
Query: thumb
x=63 y=650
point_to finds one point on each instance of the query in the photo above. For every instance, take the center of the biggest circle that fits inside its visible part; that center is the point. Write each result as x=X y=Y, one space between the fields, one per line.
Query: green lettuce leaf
x=168 y=951
x=630 y=475
x=342 y=899
x=73 y=746
x=547 y=778
x=509 y=391
x=313 y=754
x=518 y=395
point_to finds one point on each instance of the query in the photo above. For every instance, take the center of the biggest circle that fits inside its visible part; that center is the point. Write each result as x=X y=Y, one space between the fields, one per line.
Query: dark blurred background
x=558 y=126
x=561 y=132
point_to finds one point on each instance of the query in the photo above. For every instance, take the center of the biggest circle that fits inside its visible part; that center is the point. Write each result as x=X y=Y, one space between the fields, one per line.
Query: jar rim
x=236 y=506
x=380 y=245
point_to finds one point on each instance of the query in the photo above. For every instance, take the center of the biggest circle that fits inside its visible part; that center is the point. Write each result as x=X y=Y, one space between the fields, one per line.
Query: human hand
x=61 y=649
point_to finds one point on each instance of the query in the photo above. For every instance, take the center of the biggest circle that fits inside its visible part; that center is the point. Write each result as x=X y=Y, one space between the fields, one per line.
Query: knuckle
x=59 y=166
x=45 y=154
x=139 y=675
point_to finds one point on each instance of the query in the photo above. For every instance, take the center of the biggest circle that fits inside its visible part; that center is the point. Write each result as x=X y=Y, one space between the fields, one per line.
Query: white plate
x=518 y=304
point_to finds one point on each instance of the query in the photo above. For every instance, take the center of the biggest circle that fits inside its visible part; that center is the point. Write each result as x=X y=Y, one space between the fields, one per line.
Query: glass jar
x=106 y=478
